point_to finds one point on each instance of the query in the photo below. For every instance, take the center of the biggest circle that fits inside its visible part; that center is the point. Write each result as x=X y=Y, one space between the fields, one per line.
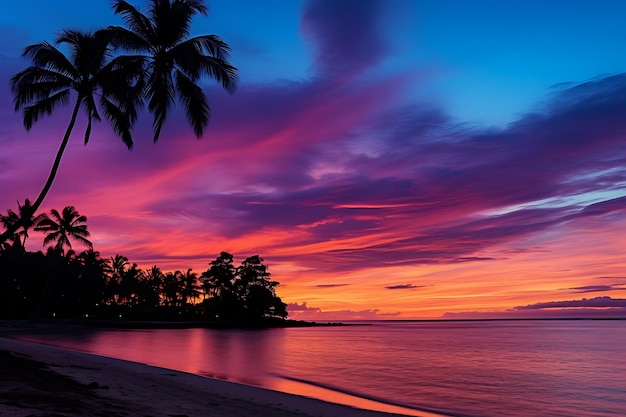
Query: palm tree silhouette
x=90 y=74
x=24 y=218
x=63 y=226
x=59 y=229
x=174 y=62
x=191 y=288
x=168 y=65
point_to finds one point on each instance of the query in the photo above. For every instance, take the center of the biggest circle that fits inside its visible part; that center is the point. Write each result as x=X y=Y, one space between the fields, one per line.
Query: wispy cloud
x=597 y=302
x=599 y=288
x=330 y=285
x=403 y=287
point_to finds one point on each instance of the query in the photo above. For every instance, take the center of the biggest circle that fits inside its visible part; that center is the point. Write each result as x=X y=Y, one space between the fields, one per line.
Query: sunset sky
x=388 y=159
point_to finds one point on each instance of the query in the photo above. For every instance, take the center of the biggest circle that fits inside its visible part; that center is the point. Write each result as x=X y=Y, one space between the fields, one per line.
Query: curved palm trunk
x=53 y=172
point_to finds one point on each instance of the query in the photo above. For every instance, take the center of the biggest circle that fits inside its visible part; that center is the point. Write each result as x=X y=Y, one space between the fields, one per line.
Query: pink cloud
x=305 y=312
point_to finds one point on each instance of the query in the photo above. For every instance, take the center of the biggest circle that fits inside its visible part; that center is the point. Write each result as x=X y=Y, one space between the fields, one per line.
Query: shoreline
x=99 y=385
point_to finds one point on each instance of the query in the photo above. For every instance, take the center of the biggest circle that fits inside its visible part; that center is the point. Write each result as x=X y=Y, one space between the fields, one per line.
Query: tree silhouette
x=151 y=286
x=218 y=280
x=89 y=74
x=190 y=288
x=172 y=289
x=167 y=65
x=63 y=226
x=245 y=292
x=174 y=62
x=92 y=279
x=24 y=218
x=256 y=291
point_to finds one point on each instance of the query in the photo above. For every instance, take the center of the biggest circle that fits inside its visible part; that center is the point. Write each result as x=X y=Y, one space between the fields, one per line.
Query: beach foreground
x=44 y=381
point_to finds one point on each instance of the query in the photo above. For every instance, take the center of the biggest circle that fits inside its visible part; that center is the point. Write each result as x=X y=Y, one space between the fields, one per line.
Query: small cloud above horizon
x=403 y=287
x=599 y=288
x=330 y=285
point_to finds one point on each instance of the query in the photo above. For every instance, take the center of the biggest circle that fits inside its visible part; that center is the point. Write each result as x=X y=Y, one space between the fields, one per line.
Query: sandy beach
x=43 y=381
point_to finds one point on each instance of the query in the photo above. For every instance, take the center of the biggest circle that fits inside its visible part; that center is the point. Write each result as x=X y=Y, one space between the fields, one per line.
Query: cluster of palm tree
x=59 y=227
x=115 y=71
x=64 y=283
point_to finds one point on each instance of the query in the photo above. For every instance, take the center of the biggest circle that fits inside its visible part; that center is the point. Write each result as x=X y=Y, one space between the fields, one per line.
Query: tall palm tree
x=63 y=226
x=24 y=218
x=91 y=75
x=174 y=62
x=190 y=286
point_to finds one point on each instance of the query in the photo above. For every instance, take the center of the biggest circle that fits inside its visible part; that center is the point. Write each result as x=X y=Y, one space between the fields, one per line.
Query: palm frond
x=136 y=21
x=128 y=40
x=120 y=121
x=43 y=107
x=189 y=57
x=92 y=114
x=52 y=237
x=213 y=45
x=57 y=216
x=221 y=71
x=160 y=90
x=84 y=241
x=45 y=55
x=195 y=102
x=123 y=80
x=33 y=84
x=172 y=21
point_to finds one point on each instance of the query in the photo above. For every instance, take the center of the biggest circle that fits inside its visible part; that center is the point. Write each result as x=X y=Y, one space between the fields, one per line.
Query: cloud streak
x=597 y=302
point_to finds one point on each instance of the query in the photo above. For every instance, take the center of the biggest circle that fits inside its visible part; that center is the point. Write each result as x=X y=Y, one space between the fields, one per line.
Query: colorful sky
x=388 y=159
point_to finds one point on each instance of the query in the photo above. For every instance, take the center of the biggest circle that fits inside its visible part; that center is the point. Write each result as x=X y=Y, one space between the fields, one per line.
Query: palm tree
x=191 y=289
x=174 y=62
x=24 y=218
x=172 y=289
x=59 y=229
x=152 y=282
x=63 y=226
x=92 y=278
x=90 y=74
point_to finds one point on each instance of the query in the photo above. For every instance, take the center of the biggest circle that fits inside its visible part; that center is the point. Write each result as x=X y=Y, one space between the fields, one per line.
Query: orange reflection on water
x=312 y=391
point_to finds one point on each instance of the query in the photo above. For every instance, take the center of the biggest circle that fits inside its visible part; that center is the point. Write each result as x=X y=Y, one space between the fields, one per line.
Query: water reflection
x=253 y=357
x=243 y=356
x=482 y=369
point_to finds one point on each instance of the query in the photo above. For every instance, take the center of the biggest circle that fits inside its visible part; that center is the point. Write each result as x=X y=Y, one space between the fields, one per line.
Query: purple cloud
x=598 y=288
x=293 y=307
x=597 y=302
x=330 y=285
x=345 y=34
x=403 y=287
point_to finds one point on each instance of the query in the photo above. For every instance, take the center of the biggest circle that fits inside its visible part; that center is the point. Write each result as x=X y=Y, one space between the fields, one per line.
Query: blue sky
x=471 y=53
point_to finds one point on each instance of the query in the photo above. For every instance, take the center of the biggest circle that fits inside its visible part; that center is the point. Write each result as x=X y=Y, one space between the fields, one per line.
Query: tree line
x=64 y=283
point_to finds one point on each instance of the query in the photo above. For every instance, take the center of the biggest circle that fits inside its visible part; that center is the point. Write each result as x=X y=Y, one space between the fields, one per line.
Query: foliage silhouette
x=167 y=64
x=90 y=287
x=63 y=226
x=174 y=62
x=91 y=75
x=24 y=219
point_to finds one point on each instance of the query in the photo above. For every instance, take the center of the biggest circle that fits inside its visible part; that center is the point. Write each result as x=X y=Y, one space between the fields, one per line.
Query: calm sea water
x=477 y=369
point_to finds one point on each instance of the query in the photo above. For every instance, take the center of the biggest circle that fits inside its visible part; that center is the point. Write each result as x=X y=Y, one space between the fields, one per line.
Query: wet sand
x=44 y=381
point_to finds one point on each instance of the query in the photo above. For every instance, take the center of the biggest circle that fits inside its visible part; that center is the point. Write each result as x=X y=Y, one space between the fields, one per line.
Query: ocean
x=452 y=368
